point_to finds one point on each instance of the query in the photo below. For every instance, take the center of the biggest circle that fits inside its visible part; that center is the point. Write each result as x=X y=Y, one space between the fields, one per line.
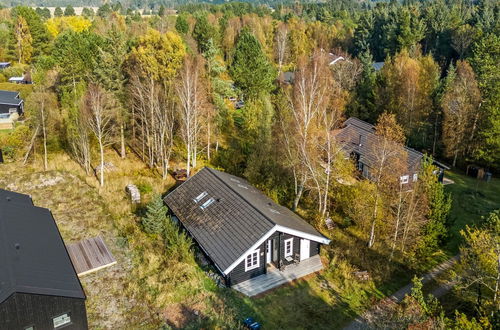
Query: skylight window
x=275 y=211
x=207 y=203
x=242 y=186
x=234 y=180
x=200 y=197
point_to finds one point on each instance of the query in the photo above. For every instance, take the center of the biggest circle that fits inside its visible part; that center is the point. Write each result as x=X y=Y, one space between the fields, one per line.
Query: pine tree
x=69 y=11
x=58 y=12
x=156 y=216
x=181 y=24
x=251 y=69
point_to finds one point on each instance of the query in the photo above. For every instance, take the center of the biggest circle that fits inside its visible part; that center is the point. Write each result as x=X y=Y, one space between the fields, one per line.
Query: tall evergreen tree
x=250 y=68
x=69 y=11
x=58 y=12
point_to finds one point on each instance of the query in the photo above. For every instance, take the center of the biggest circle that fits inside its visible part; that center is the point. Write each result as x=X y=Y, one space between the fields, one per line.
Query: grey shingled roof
x=33 y=256
x=15 y=197
x=359 y=136
x=239 y=217
x=7 y=97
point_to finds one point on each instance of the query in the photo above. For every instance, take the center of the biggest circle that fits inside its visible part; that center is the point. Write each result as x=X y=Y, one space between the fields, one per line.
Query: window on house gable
x=288 y=247
x=61 y=320
x=200 y=197
x=207 y=203
x=405 y=179
x=252 y=260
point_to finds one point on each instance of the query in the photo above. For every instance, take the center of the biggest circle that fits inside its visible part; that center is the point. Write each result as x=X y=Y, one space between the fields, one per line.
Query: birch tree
x=389 y=161
x=281 y=45
x=461 y=108
x=192 y=102
x=42 y=103
x=100 y=112
x=308 y=103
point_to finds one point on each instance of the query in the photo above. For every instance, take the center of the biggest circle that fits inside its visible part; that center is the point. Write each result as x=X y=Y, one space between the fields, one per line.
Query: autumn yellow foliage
x=57 y=25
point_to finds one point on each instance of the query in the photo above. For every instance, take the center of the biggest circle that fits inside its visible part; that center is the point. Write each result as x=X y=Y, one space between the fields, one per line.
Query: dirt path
x=361 y=321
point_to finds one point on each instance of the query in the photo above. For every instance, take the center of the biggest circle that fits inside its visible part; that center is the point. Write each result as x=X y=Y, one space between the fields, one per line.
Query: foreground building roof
x=33 y=256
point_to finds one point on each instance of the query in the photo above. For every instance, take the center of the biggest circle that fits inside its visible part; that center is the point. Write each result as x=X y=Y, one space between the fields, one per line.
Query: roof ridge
x=213 y=172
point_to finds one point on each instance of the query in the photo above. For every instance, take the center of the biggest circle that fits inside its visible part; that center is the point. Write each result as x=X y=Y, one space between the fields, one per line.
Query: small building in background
x=11 y=107
x=4 y=65
x=378 y=65
x=358 y=140
x=39 y=288
x=25 y=79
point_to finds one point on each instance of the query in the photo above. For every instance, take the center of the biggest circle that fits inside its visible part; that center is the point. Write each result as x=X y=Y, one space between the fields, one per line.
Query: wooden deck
x=90 y=255
x=275 y=278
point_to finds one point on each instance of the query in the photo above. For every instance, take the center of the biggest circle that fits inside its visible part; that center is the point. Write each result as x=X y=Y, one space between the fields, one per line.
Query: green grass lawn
x=472 y=199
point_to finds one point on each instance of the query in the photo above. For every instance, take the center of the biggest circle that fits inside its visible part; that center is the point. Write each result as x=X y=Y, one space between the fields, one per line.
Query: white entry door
x=305 y=248
x=268 y=252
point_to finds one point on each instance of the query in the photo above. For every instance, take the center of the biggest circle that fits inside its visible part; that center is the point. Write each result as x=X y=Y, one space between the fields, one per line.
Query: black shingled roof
x=359 y=136
x=7 y=97
x=33 y=256
x=239 y=216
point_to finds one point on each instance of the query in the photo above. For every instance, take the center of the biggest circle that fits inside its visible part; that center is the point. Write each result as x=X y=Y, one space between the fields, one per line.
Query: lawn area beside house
x=472 y=199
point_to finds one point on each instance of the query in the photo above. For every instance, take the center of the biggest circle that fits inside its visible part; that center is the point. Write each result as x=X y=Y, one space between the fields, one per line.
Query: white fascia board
x=251 y=249
x=298 y=233
x=276 y=228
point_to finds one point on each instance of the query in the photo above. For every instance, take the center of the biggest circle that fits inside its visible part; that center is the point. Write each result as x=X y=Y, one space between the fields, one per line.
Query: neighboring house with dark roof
x=10 y=103
x=377 y=66
x=358 y=140
x=39 y=288
x=242 y=231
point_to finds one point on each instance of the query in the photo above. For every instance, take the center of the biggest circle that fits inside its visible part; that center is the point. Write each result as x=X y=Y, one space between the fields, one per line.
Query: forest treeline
x=212 y=85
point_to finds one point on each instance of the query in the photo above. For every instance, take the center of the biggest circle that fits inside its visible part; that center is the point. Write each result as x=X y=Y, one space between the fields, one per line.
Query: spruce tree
x=156 y=215
x=69 y=11
x=251 y=69
x=58 y=12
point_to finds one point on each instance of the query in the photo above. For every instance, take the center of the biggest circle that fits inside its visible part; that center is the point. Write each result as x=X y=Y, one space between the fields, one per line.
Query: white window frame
x=415 y=177
x=405 y=179
x=286 y=243
x=252 y=260
x=62 y=320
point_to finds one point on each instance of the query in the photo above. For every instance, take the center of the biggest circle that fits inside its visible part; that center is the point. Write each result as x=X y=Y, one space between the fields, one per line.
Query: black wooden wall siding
x=238 y=274
x=21 y=310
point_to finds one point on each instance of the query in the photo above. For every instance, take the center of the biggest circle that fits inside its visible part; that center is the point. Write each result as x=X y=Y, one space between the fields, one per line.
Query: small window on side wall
x=61 y=320
x=405 y=179
x=252 y=260
x=31 y=327
x=415 y=177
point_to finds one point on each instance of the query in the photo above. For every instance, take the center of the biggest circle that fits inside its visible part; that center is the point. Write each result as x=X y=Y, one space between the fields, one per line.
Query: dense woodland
x=207 y=86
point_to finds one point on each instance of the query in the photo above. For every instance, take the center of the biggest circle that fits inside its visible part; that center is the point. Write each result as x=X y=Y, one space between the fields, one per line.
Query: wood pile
x=135 y=194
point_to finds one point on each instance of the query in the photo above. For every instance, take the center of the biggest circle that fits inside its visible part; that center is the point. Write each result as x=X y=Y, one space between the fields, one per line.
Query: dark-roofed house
x=10 y=103
x=359 y=141
x=39 y=288
x=247 y=236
